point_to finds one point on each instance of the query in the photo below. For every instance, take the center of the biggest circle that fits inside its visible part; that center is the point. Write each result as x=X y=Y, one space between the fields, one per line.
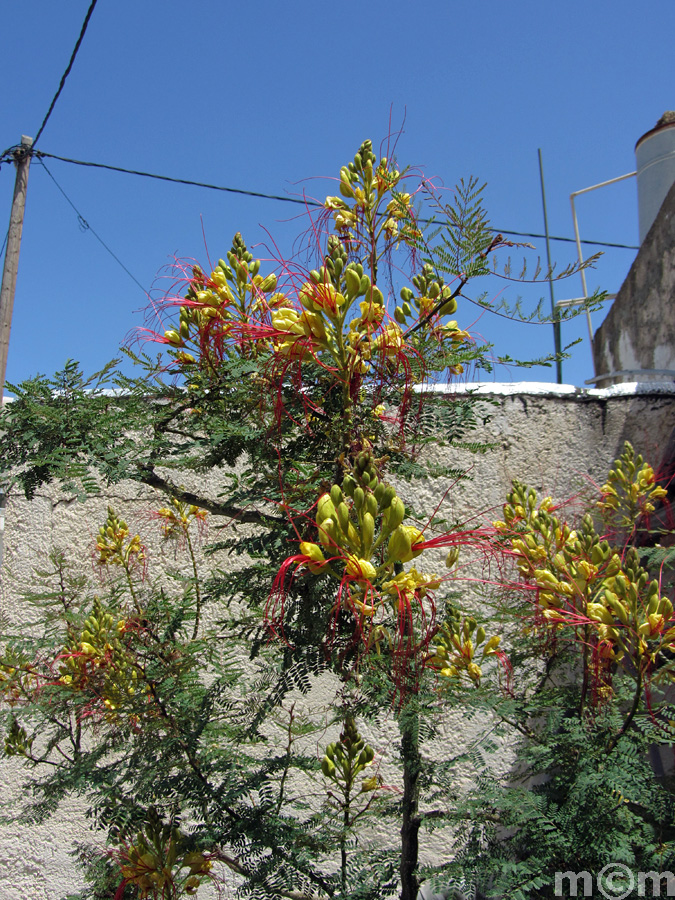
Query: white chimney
x=655 y=158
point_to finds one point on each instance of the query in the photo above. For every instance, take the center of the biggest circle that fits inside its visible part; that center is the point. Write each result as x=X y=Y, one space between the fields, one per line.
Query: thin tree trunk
x=409 y=728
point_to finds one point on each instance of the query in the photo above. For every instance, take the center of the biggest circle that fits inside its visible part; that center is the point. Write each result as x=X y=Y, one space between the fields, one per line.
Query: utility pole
x=22 y=157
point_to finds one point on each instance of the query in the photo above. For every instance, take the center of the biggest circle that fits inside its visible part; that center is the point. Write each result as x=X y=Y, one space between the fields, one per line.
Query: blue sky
x=262 y=95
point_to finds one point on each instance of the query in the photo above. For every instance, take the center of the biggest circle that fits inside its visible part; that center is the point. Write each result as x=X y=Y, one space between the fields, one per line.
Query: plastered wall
x=557 y=439
x=639 y=330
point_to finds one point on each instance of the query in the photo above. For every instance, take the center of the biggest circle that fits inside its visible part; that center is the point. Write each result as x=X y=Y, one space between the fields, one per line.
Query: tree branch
x=147 y=475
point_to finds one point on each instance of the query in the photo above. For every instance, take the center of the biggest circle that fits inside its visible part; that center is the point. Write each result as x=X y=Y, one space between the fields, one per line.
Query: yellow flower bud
x=325 y=509
x=491 y=646
x=328 y=534
x=452 y=557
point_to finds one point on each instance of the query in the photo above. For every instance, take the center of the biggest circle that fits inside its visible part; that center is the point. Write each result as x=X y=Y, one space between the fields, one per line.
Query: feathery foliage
x=179 y=704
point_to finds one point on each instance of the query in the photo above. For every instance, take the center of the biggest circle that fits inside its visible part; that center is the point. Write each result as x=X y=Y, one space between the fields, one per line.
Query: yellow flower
x=474 y=672
x=406 y=583
x=335 y=203
x=360 y=569
x=389 y=341
x=314 y=553
x=285 y=319
x=371 y=313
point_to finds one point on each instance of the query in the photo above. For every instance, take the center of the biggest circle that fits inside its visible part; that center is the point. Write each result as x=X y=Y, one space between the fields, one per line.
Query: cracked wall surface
x=558 y=439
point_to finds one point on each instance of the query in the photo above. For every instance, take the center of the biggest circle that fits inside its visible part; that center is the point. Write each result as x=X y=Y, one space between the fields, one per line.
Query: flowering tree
x=314 y=382
x=595 y=615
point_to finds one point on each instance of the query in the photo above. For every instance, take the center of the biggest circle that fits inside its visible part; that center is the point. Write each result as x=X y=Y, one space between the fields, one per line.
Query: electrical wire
x=202 y=184
x=67 y=72
x=85 y=226
x=568 y=240
x=304 y=202
x=8 y=154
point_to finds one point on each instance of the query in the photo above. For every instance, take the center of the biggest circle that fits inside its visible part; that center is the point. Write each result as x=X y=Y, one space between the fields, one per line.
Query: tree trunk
x=409 y=728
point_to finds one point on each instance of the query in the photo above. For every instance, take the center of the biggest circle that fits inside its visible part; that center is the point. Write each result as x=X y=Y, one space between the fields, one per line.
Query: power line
x=202 y=184
x=567 y=239
x=304 y=202
x=67 y=72
x=85 y=226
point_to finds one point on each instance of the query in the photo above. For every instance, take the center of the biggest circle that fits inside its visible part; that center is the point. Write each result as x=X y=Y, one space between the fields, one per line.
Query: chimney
x=655 y=158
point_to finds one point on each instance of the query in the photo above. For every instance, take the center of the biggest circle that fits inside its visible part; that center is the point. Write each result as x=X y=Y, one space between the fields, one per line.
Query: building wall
x=560 y=440
x=639 y=331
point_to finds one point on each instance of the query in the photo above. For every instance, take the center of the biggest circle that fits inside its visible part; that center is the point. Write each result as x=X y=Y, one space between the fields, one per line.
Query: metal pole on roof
x=582 y=269
x=556 y=324
x=22 y=157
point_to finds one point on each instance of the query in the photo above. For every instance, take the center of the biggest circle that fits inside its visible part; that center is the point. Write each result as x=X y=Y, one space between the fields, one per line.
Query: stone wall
x=559 y=439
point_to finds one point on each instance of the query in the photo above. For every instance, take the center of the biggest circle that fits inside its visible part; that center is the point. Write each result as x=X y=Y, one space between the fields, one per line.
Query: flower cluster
x=361 y=538
x=457 y=645
x=581 y=582
x=220 y=312
x=363 y=543
x=347 y=758
x=160 y=864
x=177 y=517
x=336 y=316
x=98 y=663
x=113 y=545
x=18 y=678
x=367 y=187
x=630 y=491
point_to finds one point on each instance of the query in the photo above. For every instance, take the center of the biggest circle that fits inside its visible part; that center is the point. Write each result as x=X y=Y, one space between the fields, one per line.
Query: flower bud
x=352 y=282
x=342 y=511
x=360 y=569
x=349 y=485
x=328 y=767
x=387 y=498
x=395 y=513
x=599 y=613
x=448 y=308
x=400 y=547
x=328 y=534
x=324 y=509
x=452 y=557
x=491 y=646
x=269 y=283
x=172 y=337
x=367 y=533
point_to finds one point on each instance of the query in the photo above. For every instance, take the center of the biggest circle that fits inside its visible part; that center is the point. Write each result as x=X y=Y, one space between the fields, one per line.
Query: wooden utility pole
x=22 y=157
